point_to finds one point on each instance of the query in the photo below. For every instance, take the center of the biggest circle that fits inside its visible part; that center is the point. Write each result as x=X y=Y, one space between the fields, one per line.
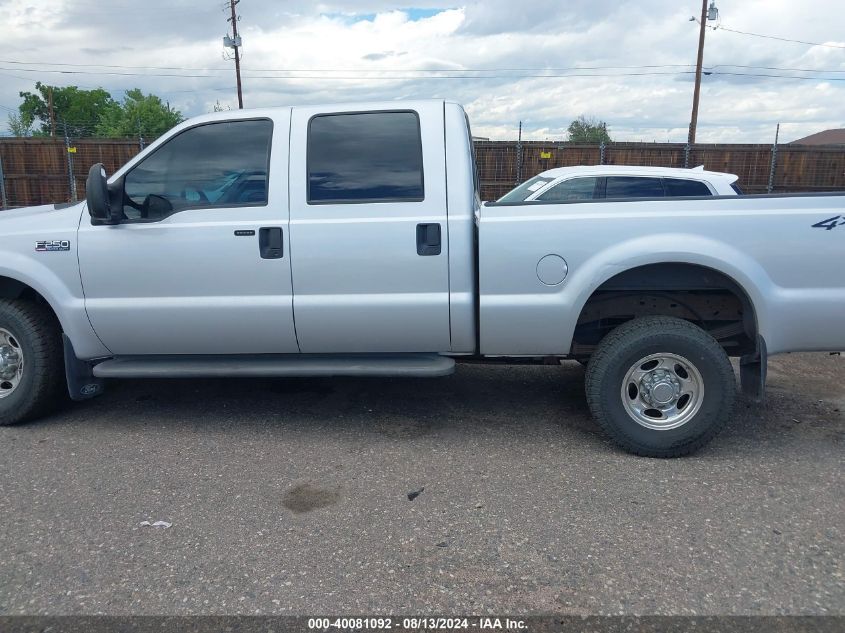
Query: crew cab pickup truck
x=349 y=240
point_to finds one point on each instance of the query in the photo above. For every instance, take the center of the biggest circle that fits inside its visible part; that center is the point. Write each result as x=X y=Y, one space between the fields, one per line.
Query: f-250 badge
x=45 y=246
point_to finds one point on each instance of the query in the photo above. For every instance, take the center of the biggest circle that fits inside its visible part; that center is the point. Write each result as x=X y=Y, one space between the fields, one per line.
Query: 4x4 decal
x=830 y=223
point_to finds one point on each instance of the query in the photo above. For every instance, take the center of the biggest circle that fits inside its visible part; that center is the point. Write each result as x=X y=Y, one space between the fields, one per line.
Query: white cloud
x=377 y=45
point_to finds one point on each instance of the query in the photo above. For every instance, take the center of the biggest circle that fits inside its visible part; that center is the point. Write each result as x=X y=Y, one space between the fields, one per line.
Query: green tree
x=18 y=127
x=140 y=114
x=588 y=130
x=79 y=110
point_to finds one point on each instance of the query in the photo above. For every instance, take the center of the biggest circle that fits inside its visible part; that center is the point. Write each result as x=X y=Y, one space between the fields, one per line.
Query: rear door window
x=634 y=187
x=365 y=157
x=572 y=189
x=677 y=187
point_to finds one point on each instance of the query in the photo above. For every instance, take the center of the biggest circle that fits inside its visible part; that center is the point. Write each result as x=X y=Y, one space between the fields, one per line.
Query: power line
x=793 y=70
x=780 y=76
x=296 y=70
x=774 y=37
x=439 y=71
x=540 y=75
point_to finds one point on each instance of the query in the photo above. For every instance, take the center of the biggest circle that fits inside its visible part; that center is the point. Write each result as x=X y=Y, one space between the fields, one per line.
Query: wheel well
x=698 y=294
x=14 y=289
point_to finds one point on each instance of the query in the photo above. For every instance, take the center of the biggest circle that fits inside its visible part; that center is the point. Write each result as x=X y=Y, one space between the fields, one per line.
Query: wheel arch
x=11 y=288
x=673 y=281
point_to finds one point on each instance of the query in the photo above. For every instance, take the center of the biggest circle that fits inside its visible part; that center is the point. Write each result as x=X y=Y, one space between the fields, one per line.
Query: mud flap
x=752 y=372
x=81 y=382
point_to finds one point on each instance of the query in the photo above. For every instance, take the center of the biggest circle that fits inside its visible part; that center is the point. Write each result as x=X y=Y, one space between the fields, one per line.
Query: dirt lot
x=292 y=497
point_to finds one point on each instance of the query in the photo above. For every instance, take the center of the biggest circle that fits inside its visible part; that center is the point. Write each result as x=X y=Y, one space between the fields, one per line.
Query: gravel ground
x=292 y=497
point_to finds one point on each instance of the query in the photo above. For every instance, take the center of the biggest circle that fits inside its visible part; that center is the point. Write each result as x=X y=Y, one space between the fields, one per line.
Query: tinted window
x=574 y=189
x=213 y=165
x=526 y=189
x=374 y=156
x=737 y=189
x=677 y=187
x=633 y=187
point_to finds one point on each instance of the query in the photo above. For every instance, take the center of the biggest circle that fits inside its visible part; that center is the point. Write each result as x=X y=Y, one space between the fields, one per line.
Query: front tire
x=660 y=386
x=31 y=366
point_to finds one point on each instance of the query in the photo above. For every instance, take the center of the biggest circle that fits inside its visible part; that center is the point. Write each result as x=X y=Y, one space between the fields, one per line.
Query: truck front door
x=368 y=230
x=201 y=263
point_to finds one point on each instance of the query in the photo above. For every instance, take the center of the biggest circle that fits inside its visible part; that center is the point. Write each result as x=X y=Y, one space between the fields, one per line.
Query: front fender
x=60 y=286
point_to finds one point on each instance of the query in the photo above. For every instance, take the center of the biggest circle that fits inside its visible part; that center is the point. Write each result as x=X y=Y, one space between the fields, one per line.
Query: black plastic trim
x=81 y=382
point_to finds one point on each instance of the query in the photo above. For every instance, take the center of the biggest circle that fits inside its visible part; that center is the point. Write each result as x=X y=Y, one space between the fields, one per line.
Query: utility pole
x=235 y=42
x=705 y=15
x=697 y=92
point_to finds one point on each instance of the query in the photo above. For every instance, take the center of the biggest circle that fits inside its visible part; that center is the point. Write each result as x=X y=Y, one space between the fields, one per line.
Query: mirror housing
x=98 y=197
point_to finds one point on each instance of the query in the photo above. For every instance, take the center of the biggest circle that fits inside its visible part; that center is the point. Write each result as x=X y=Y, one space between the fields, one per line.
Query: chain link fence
x=47 y=170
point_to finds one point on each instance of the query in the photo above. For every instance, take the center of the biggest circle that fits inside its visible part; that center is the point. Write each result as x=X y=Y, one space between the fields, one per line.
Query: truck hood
x=45 y=216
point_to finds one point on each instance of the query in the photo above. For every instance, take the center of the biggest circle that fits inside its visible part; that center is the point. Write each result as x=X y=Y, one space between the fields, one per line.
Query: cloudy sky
x=543 y=62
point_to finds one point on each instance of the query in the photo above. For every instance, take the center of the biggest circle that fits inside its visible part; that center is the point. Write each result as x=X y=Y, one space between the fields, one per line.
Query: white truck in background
x=350 y=240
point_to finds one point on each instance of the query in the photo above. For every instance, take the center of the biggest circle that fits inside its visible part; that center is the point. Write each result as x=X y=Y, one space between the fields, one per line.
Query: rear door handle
x=271 y=243
x=428 y=239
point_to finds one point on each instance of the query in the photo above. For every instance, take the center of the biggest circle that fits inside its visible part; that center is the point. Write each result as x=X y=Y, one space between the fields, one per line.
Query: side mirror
x=97 y=195
x=156 y=207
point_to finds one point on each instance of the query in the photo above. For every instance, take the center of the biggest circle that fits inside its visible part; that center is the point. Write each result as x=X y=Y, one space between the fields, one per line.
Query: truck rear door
x=369 y=244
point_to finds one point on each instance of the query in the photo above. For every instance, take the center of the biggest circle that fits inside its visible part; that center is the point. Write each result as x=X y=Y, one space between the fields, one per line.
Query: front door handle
x=271 y=243
x=428 y=239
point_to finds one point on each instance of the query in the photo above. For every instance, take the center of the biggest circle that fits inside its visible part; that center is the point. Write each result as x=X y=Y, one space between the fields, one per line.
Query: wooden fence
x=40 y=171
x=796 y=167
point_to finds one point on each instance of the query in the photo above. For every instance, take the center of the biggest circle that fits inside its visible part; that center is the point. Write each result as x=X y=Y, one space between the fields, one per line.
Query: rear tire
x=32 y=379
x=660 y=386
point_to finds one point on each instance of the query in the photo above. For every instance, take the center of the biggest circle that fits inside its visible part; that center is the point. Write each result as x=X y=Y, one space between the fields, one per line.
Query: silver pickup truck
x=349 y=240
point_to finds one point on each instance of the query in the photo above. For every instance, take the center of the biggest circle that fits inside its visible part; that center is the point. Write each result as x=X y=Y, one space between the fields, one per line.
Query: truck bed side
x=789 y=269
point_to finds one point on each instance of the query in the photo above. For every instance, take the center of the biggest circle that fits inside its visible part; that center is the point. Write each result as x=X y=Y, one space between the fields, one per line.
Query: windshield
x=526 y=189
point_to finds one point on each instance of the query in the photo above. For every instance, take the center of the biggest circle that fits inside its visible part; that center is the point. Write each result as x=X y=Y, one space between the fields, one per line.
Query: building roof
x=828 y=137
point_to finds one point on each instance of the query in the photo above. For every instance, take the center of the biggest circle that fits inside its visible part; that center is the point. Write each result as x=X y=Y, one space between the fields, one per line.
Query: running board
x=273 y=365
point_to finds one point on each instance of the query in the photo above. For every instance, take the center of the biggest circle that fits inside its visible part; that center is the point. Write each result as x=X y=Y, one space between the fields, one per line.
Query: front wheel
x=660 y=386
x=31 y=369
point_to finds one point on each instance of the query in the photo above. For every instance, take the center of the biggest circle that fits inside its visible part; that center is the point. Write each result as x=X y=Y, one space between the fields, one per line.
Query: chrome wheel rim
x=11 y=363
x=662 y=391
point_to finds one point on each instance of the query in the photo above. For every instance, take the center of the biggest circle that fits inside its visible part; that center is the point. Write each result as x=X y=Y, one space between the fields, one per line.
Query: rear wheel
x=31 y=364
x=660 y=386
